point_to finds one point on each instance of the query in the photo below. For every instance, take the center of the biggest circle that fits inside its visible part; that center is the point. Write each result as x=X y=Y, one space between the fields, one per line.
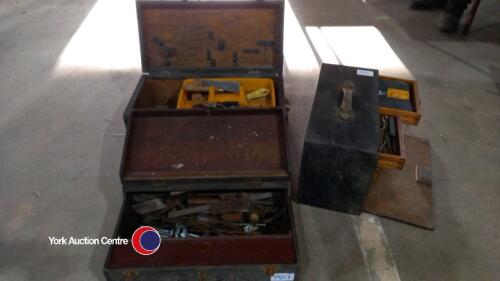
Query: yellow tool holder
x=247 y=85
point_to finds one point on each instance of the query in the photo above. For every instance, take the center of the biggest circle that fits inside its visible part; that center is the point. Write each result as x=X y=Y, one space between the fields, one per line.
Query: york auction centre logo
x=146 y=240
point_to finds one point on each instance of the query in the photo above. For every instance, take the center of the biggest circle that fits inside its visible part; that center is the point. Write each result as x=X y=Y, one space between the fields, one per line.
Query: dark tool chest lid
x=216 y=146
x=216 y=37
x=341 y=143
x=360 y=130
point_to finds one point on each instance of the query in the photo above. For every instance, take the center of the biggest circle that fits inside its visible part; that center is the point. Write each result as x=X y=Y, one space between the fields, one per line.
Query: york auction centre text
x=61 y=241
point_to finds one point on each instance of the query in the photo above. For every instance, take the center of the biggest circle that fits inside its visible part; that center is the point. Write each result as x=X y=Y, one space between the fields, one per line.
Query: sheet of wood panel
x=397 y=195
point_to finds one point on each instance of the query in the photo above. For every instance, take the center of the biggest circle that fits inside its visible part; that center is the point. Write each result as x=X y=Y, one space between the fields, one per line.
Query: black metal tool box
x=217 y=151
x=347 y=139
x=341 y=144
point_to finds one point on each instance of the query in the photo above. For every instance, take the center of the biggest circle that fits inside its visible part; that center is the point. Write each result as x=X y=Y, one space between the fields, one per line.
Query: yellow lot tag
x=398 y=94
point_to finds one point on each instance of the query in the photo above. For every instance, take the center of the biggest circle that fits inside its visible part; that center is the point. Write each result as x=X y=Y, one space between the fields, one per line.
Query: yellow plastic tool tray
x=246 y=92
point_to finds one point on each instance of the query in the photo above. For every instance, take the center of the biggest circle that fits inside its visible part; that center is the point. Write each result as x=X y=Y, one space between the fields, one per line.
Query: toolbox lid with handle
x=205 y=150
x=342 y=139
x=215 y=37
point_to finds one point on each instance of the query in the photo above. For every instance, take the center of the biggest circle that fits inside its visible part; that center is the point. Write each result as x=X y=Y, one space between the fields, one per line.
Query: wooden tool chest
x=208 y=160
x=213 y=39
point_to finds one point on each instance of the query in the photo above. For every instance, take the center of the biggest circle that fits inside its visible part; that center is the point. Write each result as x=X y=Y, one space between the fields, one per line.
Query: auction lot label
x=283 y=277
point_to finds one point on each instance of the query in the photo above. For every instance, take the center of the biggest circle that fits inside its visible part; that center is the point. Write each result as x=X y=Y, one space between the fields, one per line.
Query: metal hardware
x=202 y=276
x=251 y=51
x=388 y=135
x=423 y=174
x=129 y=276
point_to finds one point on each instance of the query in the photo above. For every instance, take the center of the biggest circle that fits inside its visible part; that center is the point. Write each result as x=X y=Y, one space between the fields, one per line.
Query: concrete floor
x=60 y=142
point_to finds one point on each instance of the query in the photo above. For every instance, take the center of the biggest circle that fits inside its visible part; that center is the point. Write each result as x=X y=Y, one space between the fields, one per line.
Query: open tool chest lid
x=216 y=37
x=205 y=149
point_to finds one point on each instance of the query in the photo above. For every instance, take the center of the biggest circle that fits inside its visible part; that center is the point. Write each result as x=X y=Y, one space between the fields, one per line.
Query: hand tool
x=221 y=86
x=150 y=206
x=259 y=93
x=192 y=214
x=188 y=211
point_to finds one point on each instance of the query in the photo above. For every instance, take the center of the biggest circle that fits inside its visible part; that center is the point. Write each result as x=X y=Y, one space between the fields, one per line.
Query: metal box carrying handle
x=345 y=108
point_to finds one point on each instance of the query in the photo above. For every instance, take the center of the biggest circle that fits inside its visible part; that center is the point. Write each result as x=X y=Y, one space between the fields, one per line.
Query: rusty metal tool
x=221 y=86
x=149 y=206
x=188 y=211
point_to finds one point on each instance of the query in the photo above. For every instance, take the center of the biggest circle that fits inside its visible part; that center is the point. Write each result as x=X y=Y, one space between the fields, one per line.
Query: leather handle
x=345 y=108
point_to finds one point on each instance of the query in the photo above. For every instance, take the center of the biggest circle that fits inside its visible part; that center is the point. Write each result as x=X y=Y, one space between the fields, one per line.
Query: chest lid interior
x=216 y=37
x=218 y=146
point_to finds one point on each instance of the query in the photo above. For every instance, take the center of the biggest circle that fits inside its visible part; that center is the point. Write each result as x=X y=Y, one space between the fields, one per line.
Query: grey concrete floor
x=60 y=142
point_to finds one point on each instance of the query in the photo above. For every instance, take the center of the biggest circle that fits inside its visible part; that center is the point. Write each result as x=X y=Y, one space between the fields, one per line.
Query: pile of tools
x=198 y=92
x=388 y=135
x=197 y=214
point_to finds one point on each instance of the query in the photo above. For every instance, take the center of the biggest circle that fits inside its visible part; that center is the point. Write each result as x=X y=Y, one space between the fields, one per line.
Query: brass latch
x=202 y=276
x=129 y=276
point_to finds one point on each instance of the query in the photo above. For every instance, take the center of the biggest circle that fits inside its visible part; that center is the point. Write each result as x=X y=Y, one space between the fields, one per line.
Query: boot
x=450 y=22
x=450 y=19
x=427 y=4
